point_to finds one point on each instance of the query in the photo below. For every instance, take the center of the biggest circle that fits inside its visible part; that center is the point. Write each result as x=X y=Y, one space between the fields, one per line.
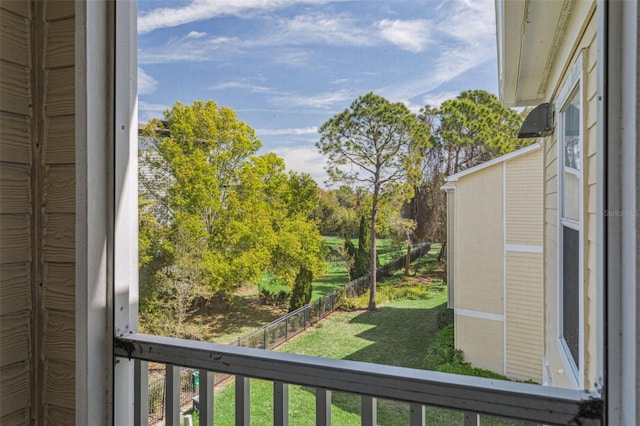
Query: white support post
x=416 y=415
x=122 y=194
x=205 y=397
x=243 y=401
x=280 y=404
x=172 y=398
x=141 y=393
x=323 y=407
x=94 y=102
x=368 y=411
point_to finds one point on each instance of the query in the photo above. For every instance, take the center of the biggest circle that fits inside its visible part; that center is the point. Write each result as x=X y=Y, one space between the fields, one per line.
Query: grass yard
x=399 y=333
x=337 y=271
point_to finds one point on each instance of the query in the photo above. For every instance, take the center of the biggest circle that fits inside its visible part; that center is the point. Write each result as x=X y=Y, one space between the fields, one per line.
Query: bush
x=442 y=350
x=466 y=369
x=444 y=318
x=302 y=290
x=273 y=292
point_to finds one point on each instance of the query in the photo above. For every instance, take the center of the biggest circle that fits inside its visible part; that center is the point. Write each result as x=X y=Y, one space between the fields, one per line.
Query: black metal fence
x=277 y=332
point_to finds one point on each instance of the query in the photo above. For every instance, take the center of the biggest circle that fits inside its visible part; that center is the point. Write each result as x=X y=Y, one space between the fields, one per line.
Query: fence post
x=306 y=316
x=286 y=328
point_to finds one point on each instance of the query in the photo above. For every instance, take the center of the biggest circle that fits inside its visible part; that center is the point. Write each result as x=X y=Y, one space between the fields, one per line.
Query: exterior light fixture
x=538 y=123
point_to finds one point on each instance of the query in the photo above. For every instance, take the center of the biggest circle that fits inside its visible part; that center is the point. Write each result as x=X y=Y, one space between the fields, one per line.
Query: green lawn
x=337 y=272
x=399 y=333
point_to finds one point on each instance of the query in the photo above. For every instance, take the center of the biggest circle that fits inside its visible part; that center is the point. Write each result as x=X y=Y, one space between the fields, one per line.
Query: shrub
x=273 y=292
x=466 y=369
x=444 y=318
x=302 y=289
x=442 y=350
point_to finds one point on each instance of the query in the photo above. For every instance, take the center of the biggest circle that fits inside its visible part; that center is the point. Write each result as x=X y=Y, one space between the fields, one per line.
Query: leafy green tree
x=465 y=131
x=376 y=143
x=302 y=289
x=214 y=214
x=361 y=261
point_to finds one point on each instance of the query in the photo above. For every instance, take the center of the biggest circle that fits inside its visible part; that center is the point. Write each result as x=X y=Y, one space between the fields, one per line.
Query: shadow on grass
x=399 y=336
x=224 y=322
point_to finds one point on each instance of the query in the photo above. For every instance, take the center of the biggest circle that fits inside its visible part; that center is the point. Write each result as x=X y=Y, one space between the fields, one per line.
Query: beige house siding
x=524 y=195
x=16 y=219
x=584 y=26
x=479 y=243
x=481 y=340
x=37 y=212
x=495 y=224
x=524 y=322
x=524 y=316
x=590 y=217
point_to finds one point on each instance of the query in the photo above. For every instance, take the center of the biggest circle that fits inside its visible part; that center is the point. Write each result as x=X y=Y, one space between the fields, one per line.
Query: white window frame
x=574 y=84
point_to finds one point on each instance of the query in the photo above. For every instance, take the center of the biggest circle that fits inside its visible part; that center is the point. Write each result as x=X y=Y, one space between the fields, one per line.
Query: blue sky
x=287 y=66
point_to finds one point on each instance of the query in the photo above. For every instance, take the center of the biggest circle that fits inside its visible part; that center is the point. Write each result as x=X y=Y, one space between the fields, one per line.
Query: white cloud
x=146 y=83
x=253 y=88
x=436 y=99
x=321 y=100
x=291 y=57
x=187 y=50
x=466 y=28
x=291 y=131
x=147 y=111
x=196 y=34
x=200 y=10
x=304 y=160
x=333 y=30
x=408 y=35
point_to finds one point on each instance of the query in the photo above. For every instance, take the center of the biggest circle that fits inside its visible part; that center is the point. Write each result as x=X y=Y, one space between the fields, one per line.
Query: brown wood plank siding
x=16 y=206
x=14 y=131
x=57 y=205
x=14 y=393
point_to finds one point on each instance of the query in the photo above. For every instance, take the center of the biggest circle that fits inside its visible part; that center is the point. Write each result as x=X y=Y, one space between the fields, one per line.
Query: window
x=570 y=231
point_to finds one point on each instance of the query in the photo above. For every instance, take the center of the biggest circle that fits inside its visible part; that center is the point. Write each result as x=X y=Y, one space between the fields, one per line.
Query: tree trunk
x=443 y=252
x=373 y=262
x=407 y=261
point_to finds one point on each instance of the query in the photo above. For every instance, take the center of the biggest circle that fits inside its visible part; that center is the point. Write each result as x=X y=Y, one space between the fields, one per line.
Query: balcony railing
x=473 y=396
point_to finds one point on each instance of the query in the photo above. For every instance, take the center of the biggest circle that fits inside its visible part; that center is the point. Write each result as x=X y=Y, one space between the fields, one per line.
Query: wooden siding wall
x=38 y=212
x=590 y=210
x=478 y=268
x=524 y=278
x=16 y=217
x=557 y=369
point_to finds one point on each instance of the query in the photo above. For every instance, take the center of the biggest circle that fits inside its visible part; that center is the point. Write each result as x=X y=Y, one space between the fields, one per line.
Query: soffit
x=529 y=33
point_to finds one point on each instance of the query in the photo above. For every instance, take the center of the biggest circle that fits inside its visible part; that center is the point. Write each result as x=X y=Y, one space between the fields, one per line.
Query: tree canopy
x=376 y=143
x=215 y=214
x=465 y=131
